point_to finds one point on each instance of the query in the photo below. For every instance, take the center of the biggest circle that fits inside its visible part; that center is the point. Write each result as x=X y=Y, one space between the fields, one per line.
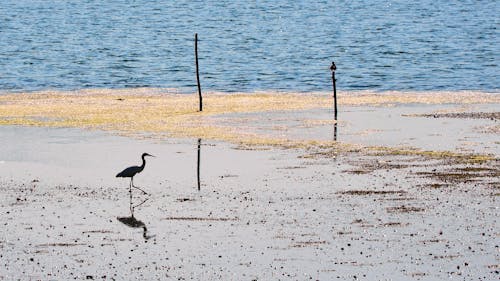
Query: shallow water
x=248 y=46
x=271 y=213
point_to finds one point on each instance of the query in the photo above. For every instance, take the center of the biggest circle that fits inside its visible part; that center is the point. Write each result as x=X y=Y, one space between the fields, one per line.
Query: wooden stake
x=333 y=67
x=197 y=70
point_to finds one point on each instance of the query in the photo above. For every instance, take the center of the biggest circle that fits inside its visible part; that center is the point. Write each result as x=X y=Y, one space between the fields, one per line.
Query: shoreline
x=132 y=112
x=176 y=91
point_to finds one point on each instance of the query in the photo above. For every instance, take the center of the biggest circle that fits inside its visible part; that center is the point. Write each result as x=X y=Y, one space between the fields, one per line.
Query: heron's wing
x=129 y=172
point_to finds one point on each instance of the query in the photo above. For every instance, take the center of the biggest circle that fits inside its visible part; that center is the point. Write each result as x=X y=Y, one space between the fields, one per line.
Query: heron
x=130 y=172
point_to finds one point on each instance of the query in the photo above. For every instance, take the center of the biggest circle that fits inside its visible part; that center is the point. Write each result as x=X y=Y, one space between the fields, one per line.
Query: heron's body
x=130 y=172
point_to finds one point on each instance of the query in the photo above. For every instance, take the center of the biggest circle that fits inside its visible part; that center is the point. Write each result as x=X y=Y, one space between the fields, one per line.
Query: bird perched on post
x=333 y=67
x=130 y=172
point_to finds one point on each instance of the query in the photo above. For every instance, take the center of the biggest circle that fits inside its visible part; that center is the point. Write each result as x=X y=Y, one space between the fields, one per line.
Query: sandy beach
x=403 y=187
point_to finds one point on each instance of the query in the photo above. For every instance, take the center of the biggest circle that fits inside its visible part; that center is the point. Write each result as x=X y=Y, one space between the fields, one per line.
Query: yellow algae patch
x=442 y=97
x=430 y=154
x=131 y=112
x=314 y=123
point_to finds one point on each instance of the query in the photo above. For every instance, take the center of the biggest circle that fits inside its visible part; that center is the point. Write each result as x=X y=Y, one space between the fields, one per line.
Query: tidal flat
x=403 y=186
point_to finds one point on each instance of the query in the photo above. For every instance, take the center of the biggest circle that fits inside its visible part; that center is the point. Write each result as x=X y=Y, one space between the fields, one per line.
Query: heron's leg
x=138 y=187
x=131 y=207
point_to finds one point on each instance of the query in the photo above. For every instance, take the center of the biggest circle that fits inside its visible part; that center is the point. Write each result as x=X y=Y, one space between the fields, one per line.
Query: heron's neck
x=143 y=163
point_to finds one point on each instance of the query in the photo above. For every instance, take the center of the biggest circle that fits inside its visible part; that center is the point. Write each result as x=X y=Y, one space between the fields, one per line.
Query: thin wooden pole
x=333 y=67
x=197 y=70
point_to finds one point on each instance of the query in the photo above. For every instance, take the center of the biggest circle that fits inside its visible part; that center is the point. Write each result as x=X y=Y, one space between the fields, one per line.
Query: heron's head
x=147 y=154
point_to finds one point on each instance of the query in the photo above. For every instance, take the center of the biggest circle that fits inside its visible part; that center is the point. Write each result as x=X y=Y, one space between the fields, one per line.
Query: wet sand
x=400 y=195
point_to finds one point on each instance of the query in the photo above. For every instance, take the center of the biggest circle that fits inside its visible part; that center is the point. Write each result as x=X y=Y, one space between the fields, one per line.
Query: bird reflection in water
x=198 y=165
x=133 y=222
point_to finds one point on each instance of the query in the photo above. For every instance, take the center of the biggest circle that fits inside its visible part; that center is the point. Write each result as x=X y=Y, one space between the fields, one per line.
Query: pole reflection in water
x=335 y=132
x=198 y=166
x=133 y=222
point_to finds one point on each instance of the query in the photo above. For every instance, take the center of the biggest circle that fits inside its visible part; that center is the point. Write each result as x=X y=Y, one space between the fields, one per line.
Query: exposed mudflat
x=396 y=204
x=464 y=115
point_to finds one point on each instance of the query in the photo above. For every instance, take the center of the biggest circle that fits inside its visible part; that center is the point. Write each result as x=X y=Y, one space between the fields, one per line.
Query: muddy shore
x=409 y=196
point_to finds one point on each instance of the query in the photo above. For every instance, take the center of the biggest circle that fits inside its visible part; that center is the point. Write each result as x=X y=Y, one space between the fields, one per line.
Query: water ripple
x=249 y=46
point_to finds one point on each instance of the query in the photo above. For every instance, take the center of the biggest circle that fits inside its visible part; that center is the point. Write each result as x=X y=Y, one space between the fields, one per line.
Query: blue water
x=250 y=45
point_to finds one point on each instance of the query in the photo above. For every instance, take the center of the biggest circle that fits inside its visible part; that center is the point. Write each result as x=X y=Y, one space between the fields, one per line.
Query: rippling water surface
x=249 y=45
